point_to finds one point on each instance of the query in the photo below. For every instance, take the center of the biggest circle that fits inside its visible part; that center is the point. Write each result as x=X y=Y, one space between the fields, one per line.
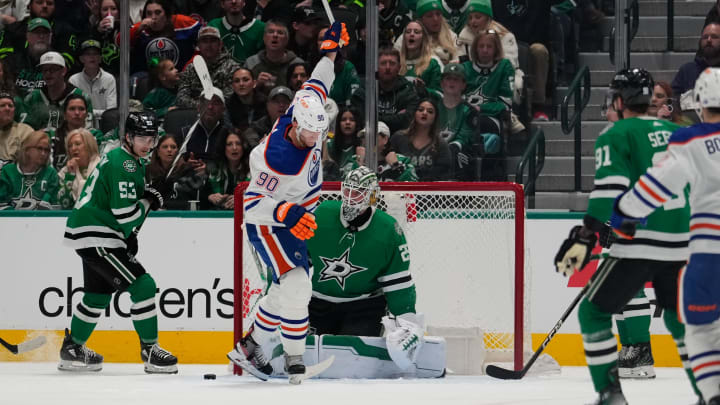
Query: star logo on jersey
x=338 y=269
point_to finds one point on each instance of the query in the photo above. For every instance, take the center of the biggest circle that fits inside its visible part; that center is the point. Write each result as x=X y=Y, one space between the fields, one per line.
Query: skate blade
x=241 y=361
x=153 y=369
x=640 y=373
x=311 y=371
x=78 y=366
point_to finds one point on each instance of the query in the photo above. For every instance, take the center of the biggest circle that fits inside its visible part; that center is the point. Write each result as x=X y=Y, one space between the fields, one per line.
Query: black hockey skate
x=636 y=361
x=75 y=357
x=612 y=394
x=295 y=368
x=250 y=357
x=157 y=360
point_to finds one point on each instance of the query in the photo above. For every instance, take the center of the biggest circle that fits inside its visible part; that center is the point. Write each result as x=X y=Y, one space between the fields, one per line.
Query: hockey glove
x=404 y=338
x=154 y=197
x=335 y=38
x=132 y=244
x=300 y=222
x=624 y=225
x=574 y=253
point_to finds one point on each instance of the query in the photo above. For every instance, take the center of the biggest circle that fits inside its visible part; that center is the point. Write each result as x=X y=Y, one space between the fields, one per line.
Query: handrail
x=534 y=159
x=579 y=92
x=670 y=32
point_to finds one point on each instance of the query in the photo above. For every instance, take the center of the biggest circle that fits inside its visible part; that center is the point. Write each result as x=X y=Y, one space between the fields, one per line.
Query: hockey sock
x=267 y=320
x=143 y=311
x=599 y=343
x=635 y=321
x=295 y=291
x=677 y=330
x=702 y=344
x=87 y=313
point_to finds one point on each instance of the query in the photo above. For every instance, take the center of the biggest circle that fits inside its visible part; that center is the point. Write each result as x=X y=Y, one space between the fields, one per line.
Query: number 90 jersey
x=623 y=152
x=110 y=206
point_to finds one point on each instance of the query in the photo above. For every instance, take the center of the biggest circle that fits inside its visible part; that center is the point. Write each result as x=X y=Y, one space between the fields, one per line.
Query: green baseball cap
x=454 y=69
x=36 y=23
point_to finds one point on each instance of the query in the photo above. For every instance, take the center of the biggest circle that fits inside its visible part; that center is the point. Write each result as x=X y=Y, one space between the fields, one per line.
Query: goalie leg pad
x=295 y=292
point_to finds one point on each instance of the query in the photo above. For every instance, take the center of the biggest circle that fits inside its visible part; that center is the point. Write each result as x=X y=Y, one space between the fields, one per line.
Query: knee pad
x=295 y=289
x=94 y=300
x=592 y=318
x=142 y=288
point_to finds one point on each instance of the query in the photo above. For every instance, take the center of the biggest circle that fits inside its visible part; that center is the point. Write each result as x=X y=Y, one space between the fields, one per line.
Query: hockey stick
x=505 y=374
x=25 y=346
x=204 y=75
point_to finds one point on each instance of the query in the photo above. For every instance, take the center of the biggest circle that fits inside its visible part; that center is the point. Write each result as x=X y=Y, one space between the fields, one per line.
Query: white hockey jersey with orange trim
x=693 y=159
x=280 y=171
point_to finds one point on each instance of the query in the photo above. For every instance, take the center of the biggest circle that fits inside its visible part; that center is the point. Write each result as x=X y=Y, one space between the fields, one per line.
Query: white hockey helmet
x=309 y=113
x=359 y=191
x=707 y=88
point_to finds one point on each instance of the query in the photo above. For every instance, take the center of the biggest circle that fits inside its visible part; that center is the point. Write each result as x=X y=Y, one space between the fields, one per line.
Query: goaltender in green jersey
x=361 y=282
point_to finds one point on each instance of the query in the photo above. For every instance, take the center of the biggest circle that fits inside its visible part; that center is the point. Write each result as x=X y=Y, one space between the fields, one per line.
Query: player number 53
x=127 y=189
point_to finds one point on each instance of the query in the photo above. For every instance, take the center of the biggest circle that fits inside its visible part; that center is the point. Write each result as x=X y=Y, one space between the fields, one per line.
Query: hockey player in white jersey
x=286 y=178
x=693 y=159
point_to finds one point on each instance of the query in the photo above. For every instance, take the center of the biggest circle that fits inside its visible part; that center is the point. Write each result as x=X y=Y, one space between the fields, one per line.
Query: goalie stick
x=25 y=346
x=204 y=75
x=505 y=374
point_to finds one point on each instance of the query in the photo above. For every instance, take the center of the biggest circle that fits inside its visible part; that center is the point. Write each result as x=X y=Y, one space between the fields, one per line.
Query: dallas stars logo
x=338 y=269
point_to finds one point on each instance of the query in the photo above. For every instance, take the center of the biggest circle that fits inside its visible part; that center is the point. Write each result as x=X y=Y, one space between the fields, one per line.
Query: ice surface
x=126 y=384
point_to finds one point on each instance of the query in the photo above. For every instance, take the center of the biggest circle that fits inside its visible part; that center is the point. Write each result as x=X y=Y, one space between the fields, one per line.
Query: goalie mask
x=359 y=192
x=707 y=90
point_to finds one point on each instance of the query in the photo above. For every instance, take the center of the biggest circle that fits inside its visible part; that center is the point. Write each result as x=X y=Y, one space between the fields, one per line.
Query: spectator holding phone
x=207 y=130
x=664 y=106
x=188 y=177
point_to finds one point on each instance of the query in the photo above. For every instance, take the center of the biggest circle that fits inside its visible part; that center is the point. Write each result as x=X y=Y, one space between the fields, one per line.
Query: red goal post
x=467 y=250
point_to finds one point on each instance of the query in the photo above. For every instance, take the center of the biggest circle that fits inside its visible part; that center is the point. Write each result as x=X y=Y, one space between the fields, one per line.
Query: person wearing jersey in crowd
x=75 y=114
x=241 y=35
x=692 y=159
x=286 y=178
x=361 y=264
x=30 y=183
x=654 y=253
x=163 y=35
x=103 y=228
x=45 y=105
x=24 y=61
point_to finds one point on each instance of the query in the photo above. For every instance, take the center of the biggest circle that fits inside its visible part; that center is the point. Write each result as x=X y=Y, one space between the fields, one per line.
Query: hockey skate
x=75 y=357
x=636 y=361
x=249 y=356
x=157 y=360
x=295 y=368
x=612 y=394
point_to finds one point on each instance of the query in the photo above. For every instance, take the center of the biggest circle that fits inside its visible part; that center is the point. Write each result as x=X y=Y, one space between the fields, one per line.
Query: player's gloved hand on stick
x=335 y=38
x=624 y=225
x=154 y=197
x=574 y=253
x=132 y=244
x=300 y=222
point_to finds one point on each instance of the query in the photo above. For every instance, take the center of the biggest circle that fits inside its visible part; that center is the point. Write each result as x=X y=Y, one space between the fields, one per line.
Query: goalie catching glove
x=574 y=253
x=404 y=338
x=299 y=221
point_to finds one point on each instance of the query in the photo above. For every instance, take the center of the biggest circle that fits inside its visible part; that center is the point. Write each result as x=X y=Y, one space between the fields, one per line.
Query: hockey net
x=467 y=259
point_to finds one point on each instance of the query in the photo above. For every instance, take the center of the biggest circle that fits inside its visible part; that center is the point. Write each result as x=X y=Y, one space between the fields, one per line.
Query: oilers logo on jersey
x=314 y=171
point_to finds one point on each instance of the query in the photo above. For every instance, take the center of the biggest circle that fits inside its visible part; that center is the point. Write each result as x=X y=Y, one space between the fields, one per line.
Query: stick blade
x=502 y=373
x=31 y=344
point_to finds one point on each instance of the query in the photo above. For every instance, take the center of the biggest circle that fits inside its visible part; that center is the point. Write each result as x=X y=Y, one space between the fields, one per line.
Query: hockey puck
x=209 y=377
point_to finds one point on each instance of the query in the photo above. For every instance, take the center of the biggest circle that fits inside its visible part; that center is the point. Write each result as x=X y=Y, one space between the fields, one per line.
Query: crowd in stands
x=457 y=80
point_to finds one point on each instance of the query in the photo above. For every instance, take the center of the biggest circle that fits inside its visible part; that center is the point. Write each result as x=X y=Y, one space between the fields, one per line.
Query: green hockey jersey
x=43 y=113
x=490 y=88
x=242 y=42
x=350 y=266
x=28 y=191
x=623 y=152
x=110 y=206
